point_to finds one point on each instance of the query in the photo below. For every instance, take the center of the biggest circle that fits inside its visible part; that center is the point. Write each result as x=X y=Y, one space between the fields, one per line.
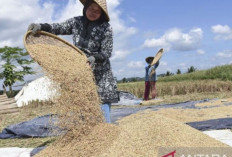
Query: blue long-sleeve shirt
x=148 y=70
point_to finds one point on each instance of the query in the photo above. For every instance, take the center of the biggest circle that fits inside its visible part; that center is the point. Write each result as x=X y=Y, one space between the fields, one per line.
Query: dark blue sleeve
x=157 y=64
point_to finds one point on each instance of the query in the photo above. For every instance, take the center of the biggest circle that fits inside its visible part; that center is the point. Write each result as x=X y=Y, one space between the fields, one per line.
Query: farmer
x=92 y=34
x=150 y=78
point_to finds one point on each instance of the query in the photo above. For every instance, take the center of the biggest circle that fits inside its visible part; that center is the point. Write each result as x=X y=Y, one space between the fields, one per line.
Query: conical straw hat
x=149 y=58
x=102 y=4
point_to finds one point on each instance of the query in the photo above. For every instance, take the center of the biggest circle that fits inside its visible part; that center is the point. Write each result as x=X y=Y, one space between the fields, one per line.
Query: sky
x=192 y=32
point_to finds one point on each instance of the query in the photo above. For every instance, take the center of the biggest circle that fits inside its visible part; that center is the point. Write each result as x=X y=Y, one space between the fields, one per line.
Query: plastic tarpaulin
x=43 y=126
x=128 y=99
x=213 y=124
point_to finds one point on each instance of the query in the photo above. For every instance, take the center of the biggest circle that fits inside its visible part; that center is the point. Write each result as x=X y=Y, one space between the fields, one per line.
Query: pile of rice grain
x=136 y=135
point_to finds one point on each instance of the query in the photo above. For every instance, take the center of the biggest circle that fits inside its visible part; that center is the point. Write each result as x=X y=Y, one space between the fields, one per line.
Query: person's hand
x=91 y=61
x=34 y=28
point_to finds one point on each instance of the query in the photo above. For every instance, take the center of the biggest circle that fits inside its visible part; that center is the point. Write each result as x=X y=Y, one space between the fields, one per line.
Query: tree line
x=168 y=73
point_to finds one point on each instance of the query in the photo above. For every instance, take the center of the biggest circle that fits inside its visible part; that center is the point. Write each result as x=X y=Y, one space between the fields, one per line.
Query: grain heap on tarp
x=78 y=104
x=142 y=134
x=137 y=135
x=210 y=110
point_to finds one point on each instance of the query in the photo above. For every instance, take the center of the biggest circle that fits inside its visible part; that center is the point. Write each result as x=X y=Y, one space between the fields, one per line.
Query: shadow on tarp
x=37 y=150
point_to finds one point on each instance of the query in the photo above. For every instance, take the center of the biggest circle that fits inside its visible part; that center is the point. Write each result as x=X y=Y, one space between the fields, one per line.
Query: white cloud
x=116 y=22
x=222 y=32
x=225 y=54
x=119 y=55
x=175 y=39
x=76 y=8
x=221 y=29
x=121 y=31
x=201 y=52
x=15 y=16
x=161 y=42
x=173 y=35
x=135 y=64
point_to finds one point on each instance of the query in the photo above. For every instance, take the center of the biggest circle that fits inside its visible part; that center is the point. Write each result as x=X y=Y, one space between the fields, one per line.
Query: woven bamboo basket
x=157 y=56
x=46 y=38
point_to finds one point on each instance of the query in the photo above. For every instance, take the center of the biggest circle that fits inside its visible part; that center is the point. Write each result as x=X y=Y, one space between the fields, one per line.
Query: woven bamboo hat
x=102 y=4
x=149 y=59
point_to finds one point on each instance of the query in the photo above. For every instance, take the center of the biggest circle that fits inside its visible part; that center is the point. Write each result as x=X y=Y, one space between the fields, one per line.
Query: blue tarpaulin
x=43 y=126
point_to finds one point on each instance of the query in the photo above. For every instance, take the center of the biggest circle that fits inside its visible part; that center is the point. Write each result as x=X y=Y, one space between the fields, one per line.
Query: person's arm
x=64 y=28
x=152 y=72
x=106 y=46
x=157 y=64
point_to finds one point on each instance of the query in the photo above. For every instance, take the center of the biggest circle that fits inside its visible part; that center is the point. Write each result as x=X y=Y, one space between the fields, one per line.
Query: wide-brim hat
x=149 y=58
x=102 y=4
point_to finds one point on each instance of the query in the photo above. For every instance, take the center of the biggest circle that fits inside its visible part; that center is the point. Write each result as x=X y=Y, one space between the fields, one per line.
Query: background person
x=93 y=35
x=150 y=79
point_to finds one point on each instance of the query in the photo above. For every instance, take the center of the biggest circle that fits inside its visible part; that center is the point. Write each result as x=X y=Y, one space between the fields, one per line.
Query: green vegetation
x=223 y=73
x=178 y=71
x=191 y=69
x=14 y=59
